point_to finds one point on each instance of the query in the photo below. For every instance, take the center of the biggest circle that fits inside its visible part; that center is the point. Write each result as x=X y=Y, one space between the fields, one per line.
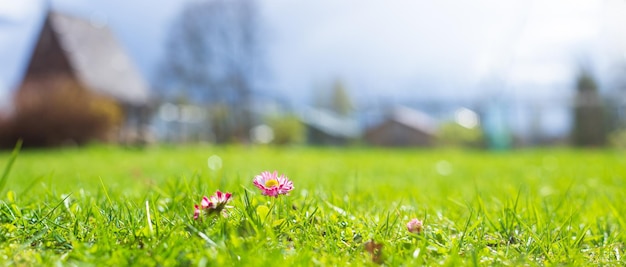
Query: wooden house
x=87 y=53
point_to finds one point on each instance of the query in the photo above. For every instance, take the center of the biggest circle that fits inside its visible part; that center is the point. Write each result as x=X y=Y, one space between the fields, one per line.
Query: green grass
x=532 y=207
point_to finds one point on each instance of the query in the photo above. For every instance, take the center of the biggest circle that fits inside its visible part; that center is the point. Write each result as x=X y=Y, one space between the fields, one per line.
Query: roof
x=413 y=119
x=98 y=59
x=331 y=123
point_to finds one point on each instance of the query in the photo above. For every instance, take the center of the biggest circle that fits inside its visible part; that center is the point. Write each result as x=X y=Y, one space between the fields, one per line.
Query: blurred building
x=403 y=127
x=182 y=123
x=88 y=53
x=324 y=127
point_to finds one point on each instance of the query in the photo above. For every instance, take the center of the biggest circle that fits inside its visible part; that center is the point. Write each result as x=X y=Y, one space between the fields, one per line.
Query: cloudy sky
x=395 y=48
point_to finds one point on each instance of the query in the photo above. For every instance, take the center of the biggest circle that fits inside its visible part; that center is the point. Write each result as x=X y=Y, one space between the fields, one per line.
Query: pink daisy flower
x=206 y=203
x=196 y=212
x=273 y=185
x=219 y=200
x=214 y=204
x=415 y=226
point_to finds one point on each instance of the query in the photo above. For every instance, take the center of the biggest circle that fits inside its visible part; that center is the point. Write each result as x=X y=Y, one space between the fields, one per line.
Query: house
x=403 y=127
x=324 y=127
x=88 y=54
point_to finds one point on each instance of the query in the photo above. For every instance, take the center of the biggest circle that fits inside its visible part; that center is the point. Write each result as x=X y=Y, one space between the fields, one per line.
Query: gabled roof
x=413 y=119
x=97 y=59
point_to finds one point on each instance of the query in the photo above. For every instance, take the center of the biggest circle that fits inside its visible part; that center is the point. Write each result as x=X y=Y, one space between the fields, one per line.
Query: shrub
x=288 y=130
x=57 y=111
x=617 y=139
x=454 y=135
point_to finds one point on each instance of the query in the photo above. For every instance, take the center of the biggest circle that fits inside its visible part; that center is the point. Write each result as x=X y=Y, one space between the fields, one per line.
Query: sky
x=394 y=49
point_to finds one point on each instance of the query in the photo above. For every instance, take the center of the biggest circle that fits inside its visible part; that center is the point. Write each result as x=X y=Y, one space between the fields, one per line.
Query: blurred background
x=478 y=74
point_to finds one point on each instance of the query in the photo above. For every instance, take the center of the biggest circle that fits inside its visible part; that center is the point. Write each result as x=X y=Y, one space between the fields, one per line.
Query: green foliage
x=617 y=139
x=526 y=208
x=454 y=135
x=288 y=130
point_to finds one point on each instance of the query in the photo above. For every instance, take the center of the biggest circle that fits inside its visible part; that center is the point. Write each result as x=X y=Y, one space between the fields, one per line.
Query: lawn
x=114 y=206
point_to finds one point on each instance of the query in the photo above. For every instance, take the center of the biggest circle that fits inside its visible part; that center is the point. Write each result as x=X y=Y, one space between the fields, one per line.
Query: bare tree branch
x=212 y=57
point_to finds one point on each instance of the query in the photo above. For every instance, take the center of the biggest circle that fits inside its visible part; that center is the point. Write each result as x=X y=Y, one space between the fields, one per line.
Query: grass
x=91 y=206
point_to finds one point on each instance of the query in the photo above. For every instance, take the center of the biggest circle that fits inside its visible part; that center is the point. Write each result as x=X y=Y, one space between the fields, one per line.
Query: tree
x=341 y=103
x=616 y=105
x=589 y=124
x=336 y=99
x=212 y=56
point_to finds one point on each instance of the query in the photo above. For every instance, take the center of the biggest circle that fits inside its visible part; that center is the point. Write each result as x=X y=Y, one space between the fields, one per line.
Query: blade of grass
x=467 y=223
x=202 y=235
x=148 y=217
x=7 y=168
x=55 y=207
x=106 y=193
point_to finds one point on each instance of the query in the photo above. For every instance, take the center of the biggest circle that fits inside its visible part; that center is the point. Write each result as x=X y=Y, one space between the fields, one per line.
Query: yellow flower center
x=271 y=183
